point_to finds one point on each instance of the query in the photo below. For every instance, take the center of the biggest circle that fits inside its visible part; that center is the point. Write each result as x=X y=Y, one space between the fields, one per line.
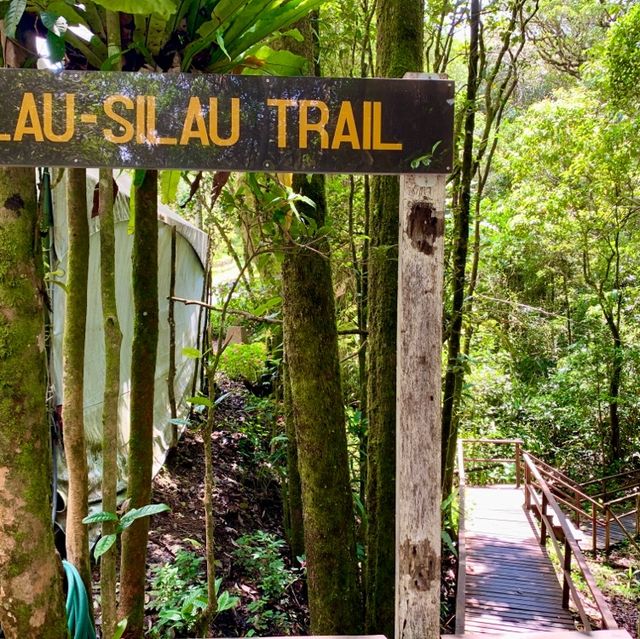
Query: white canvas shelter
x=191 y=251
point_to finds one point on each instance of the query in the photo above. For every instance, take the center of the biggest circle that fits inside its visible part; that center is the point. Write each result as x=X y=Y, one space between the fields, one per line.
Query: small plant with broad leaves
x=260 y=554
x=179 y=595
x=104 y=543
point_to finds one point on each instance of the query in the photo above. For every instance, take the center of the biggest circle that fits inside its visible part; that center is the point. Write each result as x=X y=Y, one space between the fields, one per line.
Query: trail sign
x=229 y=122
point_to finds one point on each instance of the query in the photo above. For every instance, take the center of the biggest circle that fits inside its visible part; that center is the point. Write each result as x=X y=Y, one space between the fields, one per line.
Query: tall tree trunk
x=32 y=602
x=75 y=322
x=112 y=346
x=399 y=47
x=110 y=444
x=311 y=347
x=143 y=368
x=311 y=344
x=455 y=363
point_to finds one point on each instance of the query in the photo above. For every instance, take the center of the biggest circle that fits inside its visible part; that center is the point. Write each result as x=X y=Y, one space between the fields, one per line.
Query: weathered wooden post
x=418 y=403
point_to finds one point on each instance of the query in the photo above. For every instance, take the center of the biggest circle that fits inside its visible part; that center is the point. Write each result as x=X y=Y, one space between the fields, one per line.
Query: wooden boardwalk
x=511 y=586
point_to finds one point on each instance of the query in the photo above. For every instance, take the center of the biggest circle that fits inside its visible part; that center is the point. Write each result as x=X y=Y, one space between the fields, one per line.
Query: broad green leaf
x=104 y=543
x=169 y=181
x=120 y=628
x=97 y=518
x=200 y=401
x=227 y=601
x=138 y=513
x=267 y=61
x=164 y=8
x=12 y=17
x=56 y=46
x=67 y=11
x=220 y=41
x=191 y=352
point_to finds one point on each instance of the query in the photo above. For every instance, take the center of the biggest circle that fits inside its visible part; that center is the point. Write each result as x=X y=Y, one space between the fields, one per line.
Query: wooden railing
x=516 y=459
x=585 y=507
x=555 y=526
x=461 y=581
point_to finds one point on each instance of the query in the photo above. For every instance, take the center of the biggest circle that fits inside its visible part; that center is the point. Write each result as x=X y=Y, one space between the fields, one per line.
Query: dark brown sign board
x=225 y=122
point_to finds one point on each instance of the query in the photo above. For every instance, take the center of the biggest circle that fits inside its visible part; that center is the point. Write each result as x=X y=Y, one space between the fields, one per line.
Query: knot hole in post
x=424 y=226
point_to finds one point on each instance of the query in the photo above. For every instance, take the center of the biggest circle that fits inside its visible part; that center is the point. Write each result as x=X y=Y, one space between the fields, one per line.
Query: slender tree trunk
x=112 y=346
x=293 y=503
x=110 y=444
x=455 y=363
x=399 y=47
x=32 y=602
x=171 y=378
x=145 y=342
x=311 y=344
x=75 y=321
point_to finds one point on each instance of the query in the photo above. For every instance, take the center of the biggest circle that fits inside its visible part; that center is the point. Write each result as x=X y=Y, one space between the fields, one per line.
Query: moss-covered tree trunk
x=311 y=343
x=143 y=368
x=75 y=322
x=311 y=347
x=112 y=344
x=399 y=49
x=293 y=494
x=32 y=603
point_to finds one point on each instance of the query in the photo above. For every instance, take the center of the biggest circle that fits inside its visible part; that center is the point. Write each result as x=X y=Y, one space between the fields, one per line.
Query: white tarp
x=191 y=249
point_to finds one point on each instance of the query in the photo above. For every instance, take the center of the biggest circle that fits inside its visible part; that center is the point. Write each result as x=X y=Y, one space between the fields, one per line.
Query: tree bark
x=145 y=342
x=110 y=443
x=73 y=346
x=293 y=497
x=32 y=602
x=399 y=48
x=311 y=344
x=455 y=363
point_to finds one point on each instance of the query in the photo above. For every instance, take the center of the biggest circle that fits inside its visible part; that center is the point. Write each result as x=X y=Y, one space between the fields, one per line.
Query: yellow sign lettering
x=346 y=130
x=127 y=127
x=28 y=120
x=378 y=144
x=306 y=127
x=282 y=106
x=194 y=116
x=234 y=134
x=47 y=117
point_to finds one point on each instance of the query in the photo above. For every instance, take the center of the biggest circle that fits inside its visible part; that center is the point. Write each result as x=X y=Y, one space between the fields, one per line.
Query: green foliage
x=179 y=595
x=104 y=543
x=623 y=59
x=244 y=361
x=260 y=555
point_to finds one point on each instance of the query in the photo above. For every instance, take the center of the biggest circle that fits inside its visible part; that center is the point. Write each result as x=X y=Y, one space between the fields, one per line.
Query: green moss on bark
x=399 y=50
x=143 y=368
x=311 y=344
x=32 y=602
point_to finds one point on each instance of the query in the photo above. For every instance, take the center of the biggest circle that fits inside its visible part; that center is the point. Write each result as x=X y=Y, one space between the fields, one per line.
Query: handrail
x=461 y=581
x=516 y=459
x=601 y=479
x=571 y=547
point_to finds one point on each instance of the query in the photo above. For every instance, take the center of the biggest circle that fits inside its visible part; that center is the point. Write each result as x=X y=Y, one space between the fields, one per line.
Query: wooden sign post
x=418 y=430
x=418 y=403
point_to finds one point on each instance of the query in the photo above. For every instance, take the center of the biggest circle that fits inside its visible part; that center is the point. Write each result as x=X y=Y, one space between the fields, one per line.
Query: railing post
x=594 y=529
x=576 y=510
x=527 y=486
x=607 y=530
x=638 y=514
x=543 y=524
x=518 y=468
x=567 y=572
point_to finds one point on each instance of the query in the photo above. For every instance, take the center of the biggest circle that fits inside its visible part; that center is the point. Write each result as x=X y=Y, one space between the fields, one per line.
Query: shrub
x=244 y=361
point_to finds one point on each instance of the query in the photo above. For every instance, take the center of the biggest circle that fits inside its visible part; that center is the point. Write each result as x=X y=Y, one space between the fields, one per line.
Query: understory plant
x=179 y=595
x=260 y=555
